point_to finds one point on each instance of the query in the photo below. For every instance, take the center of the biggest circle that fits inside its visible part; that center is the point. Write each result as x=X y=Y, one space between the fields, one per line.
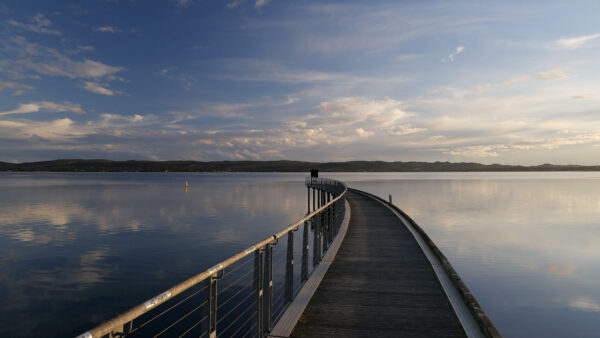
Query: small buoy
x=186 y=184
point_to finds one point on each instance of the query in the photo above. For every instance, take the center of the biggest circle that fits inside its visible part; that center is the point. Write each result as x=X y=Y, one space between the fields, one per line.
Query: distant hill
x=275 y=166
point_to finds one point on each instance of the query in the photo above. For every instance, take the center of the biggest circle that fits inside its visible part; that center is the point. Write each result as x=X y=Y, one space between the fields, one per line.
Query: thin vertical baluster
x=268 y=288
x=304 y=273
x=289 y=267
x=212 y=329
x=259 y=285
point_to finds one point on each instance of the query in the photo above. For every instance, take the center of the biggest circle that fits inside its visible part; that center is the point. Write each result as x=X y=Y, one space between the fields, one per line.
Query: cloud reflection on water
x=526 y=243
x=105 y=242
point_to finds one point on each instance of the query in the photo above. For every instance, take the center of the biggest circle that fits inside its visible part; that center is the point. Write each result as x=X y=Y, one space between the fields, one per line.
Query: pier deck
x=380 y=284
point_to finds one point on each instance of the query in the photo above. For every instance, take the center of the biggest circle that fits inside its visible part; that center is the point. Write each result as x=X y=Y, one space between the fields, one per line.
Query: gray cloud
x=98 y=89
x=38 y=24
x=19 y=87
x=107 y=29
x=49 y=61
x=34 y=107
x=576 y=42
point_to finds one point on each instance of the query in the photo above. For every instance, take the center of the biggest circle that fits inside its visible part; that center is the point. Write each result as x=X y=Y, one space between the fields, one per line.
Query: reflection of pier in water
x=387 y=279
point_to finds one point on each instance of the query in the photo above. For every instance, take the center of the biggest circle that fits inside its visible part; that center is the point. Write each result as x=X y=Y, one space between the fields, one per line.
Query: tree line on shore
x=78 y=165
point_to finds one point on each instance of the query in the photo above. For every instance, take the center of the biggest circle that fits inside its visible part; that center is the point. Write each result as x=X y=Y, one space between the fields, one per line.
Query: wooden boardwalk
x=380 y=284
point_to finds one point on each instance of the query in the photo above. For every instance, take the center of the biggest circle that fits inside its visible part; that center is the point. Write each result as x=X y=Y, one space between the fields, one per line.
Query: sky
x=511 y=82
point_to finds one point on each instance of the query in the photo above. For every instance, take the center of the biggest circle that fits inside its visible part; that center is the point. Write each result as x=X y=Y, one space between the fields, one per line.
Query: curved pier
x=359 y=267
x=388 y=280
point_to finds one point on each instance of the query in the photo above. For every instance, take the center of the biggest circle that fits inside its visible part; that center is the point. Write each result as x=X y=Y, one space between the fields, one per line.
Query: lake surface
x=78 y=248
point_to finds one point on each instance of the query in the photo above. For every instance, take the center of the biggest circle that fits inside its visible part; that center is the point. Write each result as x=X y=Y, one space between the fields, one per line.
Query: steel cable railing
x=236 y=298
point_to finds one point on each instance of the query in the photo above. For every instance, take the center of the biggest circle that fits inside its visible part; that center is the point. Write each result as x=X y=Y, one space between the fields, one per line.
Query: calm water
x=79 y=248
x=76 y=249
x=526 y=244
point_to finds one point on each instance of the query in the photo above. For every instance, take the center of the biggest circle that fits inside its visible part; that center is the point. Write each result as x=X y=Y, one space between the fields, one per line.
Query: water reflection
x=85 y=247
x=527 y=245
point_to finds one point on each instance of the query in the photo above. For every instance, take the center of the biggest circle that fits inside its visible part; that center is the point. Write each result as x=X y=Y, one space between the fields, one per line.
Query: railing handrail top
x=140 y=309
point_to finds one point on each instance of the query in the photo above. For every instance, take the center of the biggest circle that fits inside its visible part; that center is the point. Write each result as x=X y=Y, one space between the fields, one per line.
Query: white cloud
x=548 y=75
x=50 y=61
x=98 y=89
x=38 y=24
x=405 y=129
x=340 y=124
x=182 y=3
x=187 y=80
x=261 y=3
x=451 y=57
x=552 y=74
x=255 y=70
x=34 y=107
x=576 y=42
x=107 y=29
x=13 y=85
x=67 y=130
x=585 y=304
x=92 y=69
x=341 y=121
x=560 y=269
x=477 y=151
x=363 y=133
x=352 y=110
x=503 y=83
x=110 y=118
x=55 y=130
x=73 y=69
x=548 y=143
x=235 y=4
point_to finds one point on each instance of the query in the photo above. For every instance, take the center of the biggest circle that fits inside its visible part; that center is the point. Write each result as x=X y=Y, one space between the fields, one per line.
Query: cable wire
x=235 y=307
x=169 y=309
x=238 y=318
x=193 y=326
x=235 y=282
x=180 y=319
x=250 y=329
x=221 y=304
x=243 y=324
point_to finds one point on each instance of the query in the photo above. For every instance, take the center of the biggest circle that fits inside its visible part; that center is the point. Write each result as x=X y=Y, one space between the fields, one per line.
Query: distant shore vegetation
x=78 y=165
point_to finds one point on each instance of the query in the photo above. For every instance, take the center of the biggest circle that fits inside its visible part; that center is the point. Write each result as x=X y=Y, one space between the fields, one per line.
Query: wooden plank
x=380 y=284
x=465 y=317
x=288 y=320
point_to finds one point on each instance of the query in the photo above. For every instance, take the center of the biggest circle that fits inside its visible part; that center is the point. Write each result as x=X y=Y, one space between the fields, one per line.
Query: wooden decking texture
x=380 y=284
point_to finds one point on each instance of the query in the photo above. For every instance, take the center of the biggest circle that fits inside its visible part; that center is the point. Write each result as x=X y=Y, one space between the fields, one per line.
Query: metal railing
x=244 y=295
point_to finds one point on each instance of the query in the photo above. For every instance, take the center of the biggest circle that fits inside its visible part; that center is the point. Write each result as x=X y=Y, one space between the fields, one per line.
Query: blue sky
x=492 y=82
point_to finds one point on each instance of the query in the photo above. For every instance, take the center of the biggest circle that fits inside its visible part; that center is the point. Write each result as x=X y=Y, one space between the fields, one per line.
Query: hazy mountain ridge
x=77 y=165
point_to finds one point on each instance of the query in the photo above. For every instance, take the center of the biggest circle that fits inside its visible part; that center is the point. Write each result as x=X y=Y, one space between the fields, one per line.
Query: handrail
x=337 y=190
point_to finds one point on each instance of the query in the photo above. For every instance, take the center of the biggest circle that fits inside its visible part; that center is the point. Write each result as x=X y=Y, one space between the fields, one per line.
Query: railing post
x=321 y=195
x=338 y=215
x=314 y=200
x=258 y=284
x=334 y=217
x=308 y=201
x=289 y=268
x=212 y=322
x=268 y=288
x=326 y=219
x=316 y=241
x=330 y=219
x=323 y=220
x=304 y=270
